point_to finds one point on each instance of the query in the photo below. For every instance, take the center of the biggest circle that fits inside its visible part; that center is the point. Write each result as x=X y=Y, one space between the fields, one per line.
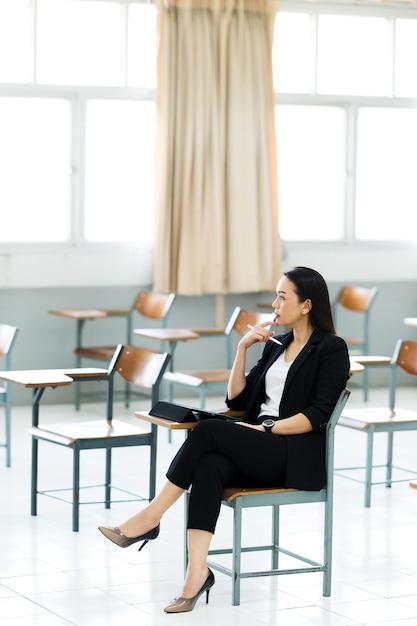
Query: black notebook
x=178 y=413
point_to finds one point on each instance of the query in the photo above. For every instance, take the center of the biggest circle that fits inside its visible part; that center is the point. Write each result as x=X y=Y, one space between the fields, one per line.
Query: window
x=14 y=41
x=405 y=53
x=79 y=43
x=35 y=162
x=77 y=121
x=386 y=193
x=311 y=171
x=119 y=170
x=346 y=62
x=345 y=122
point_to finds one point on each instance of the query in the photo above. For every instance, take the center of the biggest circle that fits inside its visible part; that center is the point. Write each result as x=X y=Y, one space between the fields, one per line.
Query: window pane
x=292 y=57
x=35 y=167
x=386 y=192
x=311 y=176
x=119 y=190
x=353 y=55
x=142 y=45
x=78 y=42
x=14 y=41
x=405 y=58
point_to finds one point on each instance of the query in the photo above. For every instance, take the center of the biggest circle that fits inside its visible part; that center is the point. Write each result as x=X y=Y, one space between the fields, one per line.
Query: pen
x=270 y=338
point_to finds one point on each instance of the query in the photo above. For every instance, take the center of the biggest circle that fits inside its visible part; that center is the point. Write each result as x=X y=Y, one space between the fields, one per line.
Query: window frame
x=78 y=97
x=351 y=104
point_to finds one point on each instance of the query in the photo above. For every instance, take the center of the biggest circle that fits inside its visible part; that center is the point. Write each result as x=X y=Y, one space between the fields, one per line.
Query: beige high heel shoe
x=182 y=605
x=115 y=534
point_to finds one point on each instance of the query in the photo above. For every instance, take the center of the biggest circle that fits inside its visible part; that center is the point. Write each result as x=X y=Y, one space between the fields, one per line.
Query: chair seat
x=370 y=359
x=230 y=493
x=68 y=433
x=96 y=352
x=195 y=378
x=360 y=419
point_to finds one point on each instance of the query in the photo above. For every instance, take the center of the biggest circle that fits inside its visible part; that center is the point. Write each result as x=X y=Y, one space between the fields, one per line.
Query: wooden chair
x=386 y=419
x=241 y=497
x=201 y=380
x=139 y=367
x=357 y=301
x=147 y=304
x=8 y=336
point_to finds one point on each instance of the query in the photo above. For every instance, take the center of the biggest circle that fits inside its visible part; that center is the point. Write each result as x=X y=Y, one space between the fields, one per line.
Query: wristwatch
x=268 y=424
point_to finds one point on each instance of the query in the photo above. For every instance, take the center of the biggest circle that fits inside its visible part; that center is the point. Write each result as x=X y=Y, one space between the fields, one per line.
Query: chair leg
x=203 y=397
x=365 y=384
x=390 y=448
x=107 y=494
x=275 y=537
x=186 y=503
x=76 y=490
x=152 y=465
x=7 y=415
x=77 y=387
x=236 y=551
x=368 y=468
x=34 y=477
x=127 y=395
x=328 y=546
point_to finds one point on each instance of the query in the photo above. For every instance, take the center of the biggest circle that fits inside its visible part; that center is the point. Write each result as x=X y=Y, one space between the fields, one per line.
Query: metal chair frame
x=240 y=498
x=389 y=420
x=116 y=434
x=129 y=314
x=9 y=333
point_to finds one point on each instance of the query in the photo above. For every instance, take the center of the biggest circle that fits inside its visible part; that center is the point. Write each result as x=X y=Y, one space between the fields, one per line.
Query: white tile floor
x=50 y=576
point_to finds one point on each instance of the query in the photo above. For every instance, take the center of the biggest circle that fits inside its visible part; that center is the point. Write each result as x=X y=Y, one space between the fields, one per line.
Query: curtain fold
x=216 y=199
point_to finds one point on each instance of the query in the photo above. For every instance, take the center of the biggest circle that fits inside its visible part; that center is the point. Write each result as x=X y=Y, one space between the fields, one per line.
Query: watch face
x=268 y=423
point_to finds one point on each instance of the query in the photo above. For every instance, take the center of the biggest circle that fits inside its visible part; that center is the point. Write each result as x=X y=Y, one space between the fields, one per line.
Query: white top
x=274 y=385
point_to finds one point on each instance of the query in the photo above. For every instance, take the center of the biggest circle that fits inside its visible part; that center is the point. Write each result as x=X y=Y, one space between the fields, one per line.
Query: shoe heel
x=207 y=595
x=143 y=545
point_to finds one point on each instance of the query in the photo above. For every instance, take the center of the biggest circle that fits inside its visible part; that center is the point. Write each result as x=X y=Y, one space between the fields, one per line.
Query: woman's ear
x=307 y=306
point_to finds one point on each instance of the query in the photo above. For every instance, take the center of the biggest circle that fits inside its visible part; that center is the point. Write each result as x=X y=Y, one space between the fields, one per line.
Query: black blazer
x=313 y=385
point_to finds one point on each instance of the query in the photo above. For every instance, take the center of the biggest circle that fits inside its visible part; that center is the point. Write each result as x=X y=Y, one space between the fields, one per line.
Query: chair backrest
x=8 y=336
x=330 y=433
x=405 y=357
x=239 y=322
x=143 y=368
x=154 y=306
x=356 y=300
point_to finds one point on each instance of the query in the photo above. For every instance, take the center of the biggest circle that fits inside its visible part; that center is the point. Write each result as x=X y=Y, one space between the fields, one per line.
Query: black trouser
x=219 y=453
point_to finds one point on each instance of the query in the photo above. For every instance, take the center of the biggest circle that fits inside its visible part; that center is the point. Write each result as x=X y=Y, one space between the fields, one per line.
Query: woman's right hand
x=257 y=334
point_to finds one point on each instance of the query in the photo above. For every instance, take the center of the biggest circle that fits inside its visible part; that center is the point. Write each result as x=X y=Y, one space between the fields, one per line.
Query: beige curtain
x=216 y=195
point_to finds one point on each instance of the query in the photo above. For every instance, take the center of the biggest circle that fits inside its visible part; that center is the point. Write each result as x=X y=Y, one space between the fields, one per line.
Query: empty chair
x=139 y=367
x=147 y=304
x=241 y=497
x=200 y=380
x=387 y=419
x=8 y=336
x=357 y=301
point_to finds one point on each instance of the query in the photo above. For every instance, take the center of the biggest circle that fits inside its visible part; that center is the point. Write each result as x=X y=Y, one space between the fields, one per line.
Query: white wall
x=133 y=266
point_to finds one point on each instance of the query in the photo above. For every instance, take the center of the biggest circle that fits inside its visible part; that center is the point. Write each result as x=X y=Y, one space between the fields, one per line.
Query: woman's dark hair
x=310 y=285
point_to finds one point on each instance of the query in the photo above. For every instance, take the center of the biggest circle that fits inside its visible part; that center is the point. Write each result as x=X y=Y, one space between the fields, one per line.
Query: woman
x=287 y=397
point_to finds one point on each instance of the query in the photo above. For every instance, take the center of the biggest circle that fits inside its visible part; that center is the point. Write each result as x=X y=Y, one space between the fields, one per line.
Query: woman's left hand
x=254 y=426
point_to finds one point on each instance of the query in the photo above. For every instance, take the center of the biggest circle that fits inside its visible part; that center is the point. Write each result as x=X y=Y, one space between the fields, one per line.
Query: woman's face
x=287 y=307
